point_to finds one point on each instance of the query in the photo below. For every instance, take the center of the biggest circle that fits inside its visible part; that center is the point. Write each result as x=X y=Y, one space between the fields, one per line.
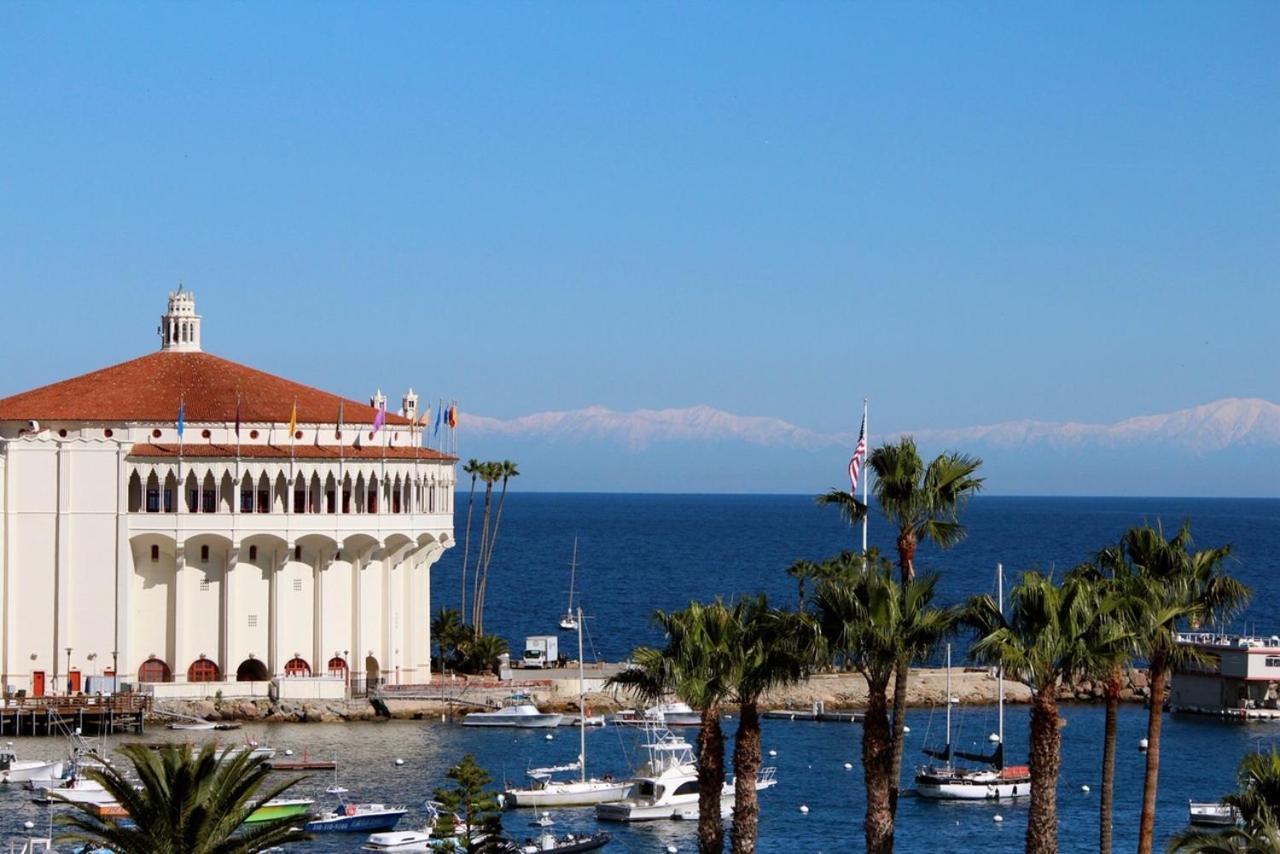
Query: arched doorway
x=203 y=670
x=252 y=670
x=338 y=667
x=297 y=667
x=371 y=674
x=154 y=670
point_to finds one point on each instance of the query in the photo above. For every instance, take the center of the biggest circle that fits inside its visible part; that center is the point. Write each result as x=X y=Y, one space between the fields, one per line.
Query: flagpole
x=866 y=476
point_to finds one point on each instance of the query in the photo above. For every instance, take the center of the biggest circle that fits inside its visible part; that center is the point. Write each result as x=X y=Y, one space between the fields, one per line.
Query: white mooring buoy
x=906 y=729
x=671 y=849
x=997 y=818
x=773 y=753
x=549 y=736
x=399 y=761
x=1142 y=744
x=28 y=824
x=804 y=809
x=848 y=766
x=288 y=752
x=1085 y=788
x=993 y=738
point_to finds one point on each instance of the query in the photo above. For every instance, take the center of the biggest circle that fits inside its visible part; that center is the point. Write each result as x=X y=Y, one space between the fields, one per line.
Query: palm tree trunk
x=710 y=782
x=901 y=673
x=877 y=767
x=477 y=592
x=1155 y=719
x=493 y=540
x=746 y=766
x=466 y=550
x=1046 y=762
x=1114 y=683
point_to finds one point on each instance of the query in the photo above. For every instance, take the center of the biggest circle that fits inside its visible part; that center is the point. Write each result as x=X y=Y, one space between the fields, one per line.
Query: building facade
x=181 y=517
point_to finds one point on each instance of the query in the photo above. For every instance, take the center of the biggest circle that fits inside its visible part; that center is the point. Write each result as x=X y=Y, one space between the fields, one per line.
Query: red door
x=37 y=683
x=75 y=681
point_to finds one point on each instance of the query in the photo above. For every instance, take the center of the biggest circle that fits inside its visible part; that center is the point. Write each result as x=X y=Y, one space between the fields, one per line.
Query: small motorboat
x=77 y=790
x=426 y=839
x=567 y=844
x=1212 y=814
x=15 y=770
x=192 y=726
x=279 y=808
x=518 y=711
x=350 y=818
x=666 y=714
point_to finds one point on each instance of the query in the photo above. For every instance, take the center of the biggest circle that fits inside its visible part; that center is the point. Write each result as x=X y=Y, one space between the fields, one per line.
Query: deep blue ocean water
x=637 y=553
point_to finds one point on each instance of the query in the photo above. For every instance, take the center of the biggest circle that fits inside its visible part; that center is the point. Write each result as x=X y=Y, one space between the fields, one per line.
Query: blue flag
x=439 y=413
x=182 y=417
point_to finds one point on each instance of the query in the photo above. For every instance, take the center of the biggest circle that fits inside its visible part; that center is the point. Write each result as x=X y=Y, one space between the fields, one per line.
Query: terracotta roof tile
x=149 y=389
x=302 y=452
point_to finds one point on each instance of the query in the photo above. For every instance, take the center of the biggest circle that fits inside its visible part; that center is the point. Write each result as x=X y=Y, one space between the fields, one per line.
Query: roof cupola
x=180 y=325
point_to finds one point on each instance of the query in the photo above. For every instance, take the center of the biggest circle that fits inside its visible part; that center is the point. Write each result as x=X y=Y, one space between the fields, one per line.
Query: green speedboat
x=276 y=810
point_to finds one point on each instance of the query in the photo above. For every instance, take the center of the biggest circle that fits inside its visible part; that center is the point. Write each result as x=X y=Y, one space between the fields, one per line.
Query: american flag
x=859 y=454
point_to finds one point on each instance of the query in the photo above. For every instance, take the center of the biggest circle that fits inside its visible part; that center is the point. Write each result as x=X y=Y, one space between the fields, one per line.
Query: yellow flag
x=293 y=420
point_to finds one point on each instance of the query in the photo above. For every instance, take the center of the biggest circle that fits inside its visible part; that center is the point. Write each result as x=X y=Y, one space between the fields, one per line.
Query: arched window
x=252 y=670
x=297 y=667
x=203 y=670
x=154 y=670
x=337 y=666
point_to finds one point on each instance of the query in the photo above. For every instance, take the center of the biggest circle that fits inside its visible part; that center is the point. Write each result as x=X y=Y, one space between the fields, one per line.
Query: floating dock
x=816 y=716
x=105 y=715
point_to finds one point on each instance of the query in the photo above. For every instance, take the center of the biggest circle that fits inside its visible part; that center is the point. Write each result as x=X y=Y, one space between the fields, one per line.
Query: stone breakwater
x=559 y=693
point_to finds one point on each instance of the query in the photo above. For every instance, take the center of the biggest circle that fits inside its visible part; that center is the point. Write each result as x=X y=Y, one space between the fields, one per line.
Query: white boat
x=77 y=791
x=1212 y=814
x=570 y=621
x=519 y=711
x=667 y=785
x=667 y=714
x=545 y=790
x=349 y=818
x=15 y=770
x=991 y=779
x=426 y=839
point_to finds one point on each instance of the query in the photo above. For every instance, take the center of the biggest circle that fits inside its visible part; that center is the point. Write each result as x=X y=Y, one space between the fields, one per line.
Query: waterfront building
x=1234 y=676
x=184 y=518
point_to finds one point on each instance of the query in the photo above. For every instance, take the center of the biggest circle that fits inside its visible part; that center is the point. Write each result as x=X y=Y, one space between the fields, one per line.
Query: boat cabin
x=1237 y=676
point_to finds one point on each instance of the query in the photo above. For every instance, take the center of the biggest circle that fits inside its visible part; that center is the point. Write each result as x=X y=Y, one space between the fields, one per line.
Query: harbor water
x=637 y=553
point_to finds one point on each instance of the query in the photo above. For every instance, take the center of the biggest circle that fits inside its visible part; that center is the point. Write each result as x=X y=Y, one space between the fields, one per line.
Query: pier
x=97 y=715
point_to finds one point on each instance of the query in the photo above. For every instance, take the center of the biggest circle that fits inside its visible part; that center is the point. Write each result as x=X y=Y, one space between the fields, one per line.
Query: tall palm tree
x=1257 y=803
x=773 y=648
x=489 y=474
x=1050 y=637
x=923 y=503
x=874 y=623
x=450 y=632
x=506 y=470
x=185 y=801
x=1181 y=587
x=697 y=665
x=472 y=468
x=1114 y=642
x=802 y=571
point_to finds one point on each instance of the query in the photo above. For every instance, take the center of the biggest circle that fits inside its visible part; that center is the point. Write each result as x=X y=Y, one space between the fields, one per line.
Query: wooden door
x=37 y=683
x=74 y=682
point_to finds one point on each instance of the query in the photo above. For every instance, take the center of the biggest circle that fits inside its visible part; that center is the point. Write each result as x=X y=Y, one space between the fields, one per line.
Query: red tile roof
x=149 y=388
x=191 y=451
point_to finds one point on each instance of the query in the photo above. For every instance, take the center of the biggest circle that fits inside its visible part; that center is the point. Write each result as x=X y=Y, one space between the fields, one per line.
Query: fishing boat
x=279 y=808
x=991 y=778
x=519 y=711
x=667 y=785
x=77 y=790
x=570 y=843
x=570 y=621
x=545 y=790
x=1212 y=814
x=15 y=770
x=670 y=714
x=350 y=818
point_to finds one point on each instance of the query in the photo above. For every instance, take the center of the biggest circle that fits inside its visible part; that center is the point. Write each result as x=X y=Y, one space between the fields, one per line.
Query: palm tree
x=1180 y=587
x=489 y=474
x=697 y=665
x=1051 y=636
x=802 y=571
x=1257 y=803
x=874 y=623
x=472 y=468
x=450 y=633
x=506 y=470
x=184 y=801
x=480 y=653
x=924 y=504
x=773 y=648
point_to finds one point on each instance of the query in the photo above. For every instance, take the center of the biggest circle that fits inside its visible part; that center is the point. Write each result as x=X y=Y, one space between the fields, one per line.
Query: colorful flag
x=439 y=418
x=237 y=417
x=293 y=419
x=859 y=454
x=380 y=418
x=182 y=417
x=337 y=434
x=453 y=415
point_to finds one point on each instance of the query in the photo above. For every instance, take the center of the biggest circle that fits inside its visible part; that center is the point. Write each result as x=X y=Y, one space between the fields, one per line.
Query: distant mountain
x=1228 y=447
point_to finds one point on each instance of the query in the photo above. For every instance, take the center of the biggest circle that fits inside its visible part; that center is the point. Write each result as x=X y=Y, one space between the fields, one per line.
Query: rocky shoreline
x=843 y=691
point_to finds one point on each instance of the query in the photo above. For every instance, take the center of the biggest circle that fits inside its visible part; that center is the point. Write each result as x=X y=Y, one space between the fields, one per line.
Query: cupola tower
x=180 y=325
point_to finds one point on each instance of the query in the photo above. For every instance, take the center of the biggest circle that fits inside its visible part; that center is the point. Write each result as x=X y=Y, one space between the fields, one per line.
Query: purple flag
x=380 y=418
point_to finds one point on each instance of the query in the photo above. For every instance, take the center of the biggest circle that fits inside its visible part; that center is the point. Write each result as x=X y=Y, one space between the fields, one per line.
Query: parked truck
x=541 y=651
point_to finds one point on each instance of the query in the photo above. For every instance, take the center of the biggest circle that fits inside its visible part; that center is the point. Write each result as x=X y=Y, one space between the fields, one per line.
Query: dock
x=816 y=716
x=96 y=715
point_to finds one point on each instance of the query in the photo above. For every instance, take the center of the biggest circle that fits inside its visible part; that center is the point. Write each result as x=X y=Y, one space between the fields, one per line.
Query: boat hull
x=517 y=721
x=384 y=820
x=960 y=789
x=567 y=795
x=27 y=771
x=667 y=808
x=275 y=812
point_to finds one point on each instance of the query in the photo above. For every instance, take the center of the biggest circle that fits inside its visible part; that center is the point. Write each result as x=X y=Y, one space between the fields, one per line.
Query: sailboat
x=544 y=790
x=992 y=778
x=569 y=622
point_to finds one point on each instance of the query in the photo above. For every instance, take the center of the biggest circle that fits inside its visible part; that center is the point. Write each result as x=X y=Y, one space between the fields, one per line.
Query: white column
x=274 y=665
x=318 y=658
x=357 y=651
x=178 y=653
x=124 y=564
x=226 y=647
x=62 y=573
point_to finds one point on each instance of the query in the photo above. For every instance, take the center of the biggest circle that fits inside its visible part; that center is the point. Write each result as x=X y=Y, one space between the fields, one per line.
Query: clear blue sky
x=970 y=212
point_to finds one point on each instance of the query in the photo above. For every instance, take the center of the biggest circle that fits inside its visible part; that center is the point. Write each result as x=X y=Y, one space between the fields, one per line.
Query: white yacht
x=667 y=785
x=519 y=711
x=15 y=770
x=1212 y=814
x=545 y=790
x=667 y=714
x=991 y=779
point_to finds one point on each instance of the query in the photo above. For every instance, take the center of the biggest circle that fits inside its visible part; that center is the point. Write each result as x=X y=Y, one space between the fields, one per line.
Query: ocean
x=640 y=552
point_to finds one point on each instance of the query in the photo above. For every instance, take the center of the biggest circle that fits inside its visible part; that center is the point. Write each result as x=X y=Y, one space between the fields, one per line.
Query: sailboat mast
x=582 y=695
x=948 y=705
x=573 y=572
x=1000 y=668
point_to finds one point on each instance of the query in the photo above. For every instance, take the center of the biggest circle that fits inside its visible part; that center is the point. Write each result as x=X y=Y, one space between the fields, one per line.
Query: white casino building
x=220 y=558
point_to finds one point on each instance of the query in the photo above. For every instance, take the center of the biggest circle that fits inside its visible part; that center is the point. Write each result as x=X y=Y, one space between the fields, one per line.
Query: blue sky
x=971 y=213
